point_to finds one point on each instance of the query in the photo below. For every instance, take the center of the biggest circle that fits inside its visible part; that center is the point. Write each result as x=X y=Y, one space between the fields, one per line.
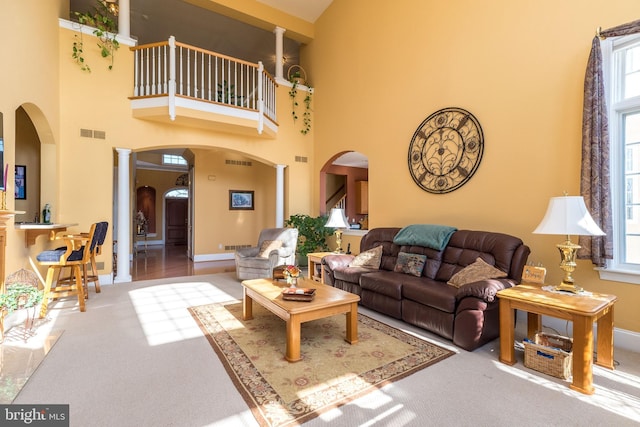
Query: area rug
x=331 y=373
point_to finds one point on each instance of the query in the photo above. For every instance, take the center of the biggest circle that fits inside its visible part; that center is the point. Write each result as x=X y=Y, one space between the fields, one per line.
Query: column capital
x=279 y=30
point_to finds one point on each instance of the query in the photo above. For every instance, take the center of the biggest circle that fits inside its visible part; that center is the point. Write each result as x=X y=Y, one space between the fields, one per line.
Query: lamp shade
x=568 y=215
x=337 y=219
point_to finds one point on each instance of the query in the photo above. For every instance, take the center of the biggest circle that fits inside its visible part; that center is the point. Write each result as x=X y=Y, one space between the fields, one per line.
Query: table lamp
x=337 y=220
x=568 y=215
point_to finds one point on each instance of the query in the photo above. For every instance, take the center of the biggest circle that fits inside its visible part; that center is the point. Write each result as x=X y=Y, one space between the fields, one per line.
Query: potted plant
x=312 y=234
x=16 y=297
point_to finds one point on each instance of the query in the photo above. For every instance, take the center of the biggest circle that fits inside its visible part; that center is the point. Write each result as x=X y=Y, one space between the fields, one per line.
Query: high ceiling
x=156 y=20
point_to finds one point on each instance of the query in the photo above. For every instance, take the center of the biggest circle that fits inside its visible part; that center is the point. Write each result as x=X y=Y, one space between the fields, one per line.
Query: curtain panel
x=595 y=176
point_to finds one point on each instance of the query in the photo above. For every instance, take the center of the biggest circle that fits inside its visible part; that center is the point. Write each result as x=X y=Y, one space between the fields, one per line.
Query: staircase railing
x=176 y=69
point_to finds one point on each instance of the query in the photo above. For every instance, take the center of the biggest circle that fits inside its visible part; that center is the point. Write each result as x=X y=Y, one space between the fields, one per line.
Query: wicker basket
x=297 y=73
x=550 y=354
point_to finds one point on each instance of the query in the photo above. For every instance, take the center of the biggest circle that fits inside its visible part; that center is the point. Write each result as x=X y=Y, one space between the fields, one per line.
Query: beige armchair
x=276 y=246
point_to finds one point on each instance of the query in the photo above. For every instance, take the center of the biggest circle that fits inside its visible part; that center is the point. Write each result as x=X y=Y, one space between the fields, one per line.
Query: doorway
x=176 y=221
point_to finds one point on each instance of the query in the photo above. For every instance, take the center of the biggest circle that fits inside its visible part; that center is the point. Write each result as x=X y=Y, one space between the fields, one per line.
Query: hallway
x=158 y=262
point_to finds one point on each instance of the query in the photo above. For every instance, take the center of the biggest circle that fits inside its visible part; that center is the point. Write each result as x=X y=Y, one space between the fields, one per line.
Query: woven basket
x=297 y=73
x=549 y=354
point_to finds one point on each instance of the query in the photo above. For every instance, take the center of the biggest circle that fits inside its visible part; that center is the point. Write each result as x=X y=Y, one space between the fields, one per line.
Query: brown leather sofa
x=467 y=315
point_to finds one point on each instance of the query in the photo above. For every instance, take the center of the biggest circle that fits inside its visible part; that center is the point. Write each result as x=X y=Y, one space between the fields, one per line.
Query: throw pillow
x=410 y=263
x=368 y=259
x=479 y=270
x=267 y=246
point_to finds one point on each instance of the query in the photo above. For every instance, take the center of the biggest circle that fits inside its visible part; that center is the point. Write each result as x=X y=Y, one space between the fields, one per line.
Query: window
x=621 y=66
x=171 y=159
x=178 y=193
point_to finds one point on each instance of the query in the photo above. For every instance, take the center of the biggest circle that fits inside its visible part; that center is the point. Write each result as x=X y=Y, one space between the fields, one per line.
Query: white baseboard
x=212 y=257
x=622 y=338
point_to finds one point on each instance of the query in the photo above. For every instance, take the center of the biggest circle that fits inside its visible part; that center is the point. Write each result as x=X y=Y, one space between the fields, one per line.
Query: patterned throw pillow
x=479 y=270
x=267 y=246
x=368 y=259
x=410 y=263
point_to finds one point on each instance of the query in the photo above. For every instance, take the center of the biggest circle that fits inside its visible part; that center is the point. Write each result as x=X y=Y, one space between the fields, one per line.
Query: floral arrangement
x=291 y=273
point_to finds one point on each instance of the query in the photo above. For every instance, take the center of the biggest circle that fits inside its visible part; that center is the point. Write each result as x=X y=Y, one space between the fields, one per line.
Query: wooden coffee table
x=328 y=301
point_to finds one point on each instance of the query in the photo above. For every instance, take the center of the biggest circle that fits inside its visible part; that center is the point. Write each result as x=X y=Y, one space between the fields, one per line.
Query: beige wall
x=382 y=67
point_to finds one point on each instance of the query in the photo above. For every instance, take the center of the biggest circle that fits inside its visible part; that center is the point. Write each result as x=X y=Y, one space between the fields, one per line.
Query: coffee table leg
x=247 y=306
x=293 y=339
x=352 y=324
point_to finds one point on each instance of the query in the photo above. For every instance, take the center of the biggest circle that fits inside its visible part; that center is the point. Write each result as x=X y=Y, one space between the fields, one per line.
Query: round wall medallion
x=445 y=150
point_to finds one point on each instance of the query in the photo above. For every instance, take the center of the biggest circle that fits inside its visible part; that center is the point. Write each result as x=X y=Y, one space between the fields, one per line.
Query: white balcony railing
x=176 y=69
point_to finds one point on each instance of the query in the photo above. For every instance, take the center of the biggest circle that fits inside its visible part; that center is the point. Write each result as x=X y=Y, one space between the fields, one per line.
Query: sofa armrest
x=336 y=261
x=484 y=289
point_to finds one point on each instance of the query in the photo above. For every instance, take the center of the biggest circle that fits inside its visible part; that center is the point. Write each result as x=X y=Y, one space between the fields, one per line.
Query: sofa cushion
x=267 y=246
x=430 y=293
x=383 y=282
x=368 y=259
x=475 y=272
x=410 y=263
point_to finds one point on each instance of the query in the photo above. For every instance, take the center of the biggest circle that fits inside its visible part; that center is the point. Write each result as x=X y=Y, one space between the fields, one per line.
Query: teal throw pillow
x=410 y=263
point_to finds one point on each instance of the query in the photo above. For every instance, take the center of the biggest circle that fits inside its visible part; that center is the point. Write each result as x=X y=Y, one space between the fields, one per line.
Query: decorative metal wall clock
x=446 y=150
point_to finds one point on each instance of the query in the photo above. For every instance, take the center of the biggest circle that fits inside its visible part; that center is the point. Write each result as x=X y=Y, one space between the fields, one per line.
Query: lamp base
x=569 y=287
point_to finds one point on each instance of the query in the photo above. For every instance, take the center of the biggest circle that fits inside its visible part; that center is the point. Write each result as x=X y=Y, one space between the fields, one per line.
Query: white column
x=279 y=51
x=124 y=220
x=280 y=195
x=124 y=18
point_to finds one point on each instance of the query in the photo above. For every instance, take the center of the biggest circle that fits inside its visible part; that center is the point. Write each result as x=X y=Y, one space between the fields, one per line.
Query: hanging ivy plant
x=106 y=28
x=293 y=93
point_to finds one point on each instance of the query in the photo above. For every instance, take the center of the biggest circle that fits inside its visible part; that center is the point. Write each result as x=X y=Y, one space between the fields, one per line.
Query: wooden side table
x=582 y=310
x=314 y=259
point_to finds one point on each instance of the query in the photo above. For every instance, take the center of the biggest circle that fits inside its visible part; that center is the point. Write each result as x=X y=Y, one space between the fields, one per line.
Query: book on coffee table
x=298 y=294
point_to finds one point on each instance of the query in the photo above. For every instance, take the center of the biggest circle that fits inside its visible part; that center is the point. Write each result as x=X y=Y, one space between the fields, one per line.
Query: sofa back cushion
x=508 y=253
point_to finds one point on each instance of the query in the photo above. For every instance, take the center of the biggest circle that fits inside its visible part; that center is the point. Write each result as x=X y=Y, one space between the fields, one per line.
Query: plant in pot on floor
x=312 y=234
x=16 y=297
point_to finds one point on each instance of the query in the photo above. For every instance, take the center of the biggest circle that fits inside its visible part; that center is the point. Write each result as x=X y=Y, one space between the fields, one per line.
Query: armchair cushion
x=268 y=246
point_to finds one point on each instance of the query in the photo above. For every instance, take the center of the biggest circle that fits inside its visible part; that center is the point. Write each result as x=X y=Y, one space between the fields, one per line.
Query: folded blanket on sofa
x=428 y=235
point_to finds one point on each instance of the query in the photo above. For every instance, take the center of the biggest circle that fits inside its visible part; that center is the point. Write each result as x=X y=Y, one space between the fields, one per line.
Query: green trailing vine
x=106 y=28
x=18 y=296
x=293 y=94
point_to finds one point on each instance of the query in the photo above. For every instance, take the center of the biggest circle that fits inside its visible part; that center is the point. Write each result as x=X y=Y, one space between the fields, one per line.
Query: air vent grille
x=302 y=159
x=234 y=247
x=86 y=133
x=238 y=162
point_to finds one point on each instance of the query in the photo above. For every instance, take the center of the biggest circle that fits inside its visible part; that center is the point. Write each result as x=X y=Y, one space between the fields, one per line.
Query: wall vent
x=234 y=247
x=86 y=133
x=302 y=159
x=99 y=134
x=238 y=162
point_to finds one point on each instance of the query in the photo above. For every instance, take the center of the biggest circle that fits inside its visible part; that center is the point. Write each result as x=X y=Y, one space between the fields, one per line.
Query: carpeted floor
x=137 y=357
x=332 y=371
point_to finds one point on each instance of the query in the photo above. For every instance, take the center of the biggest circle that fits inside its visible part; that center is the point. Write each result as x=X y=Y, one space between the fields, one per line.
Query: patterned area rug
x=331 y=373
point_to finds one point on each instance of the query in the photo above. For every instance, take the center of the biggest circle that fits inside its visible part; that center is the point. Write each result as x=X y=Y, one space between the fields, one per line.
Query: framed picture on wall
x=21 y=182
x=240 y=200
